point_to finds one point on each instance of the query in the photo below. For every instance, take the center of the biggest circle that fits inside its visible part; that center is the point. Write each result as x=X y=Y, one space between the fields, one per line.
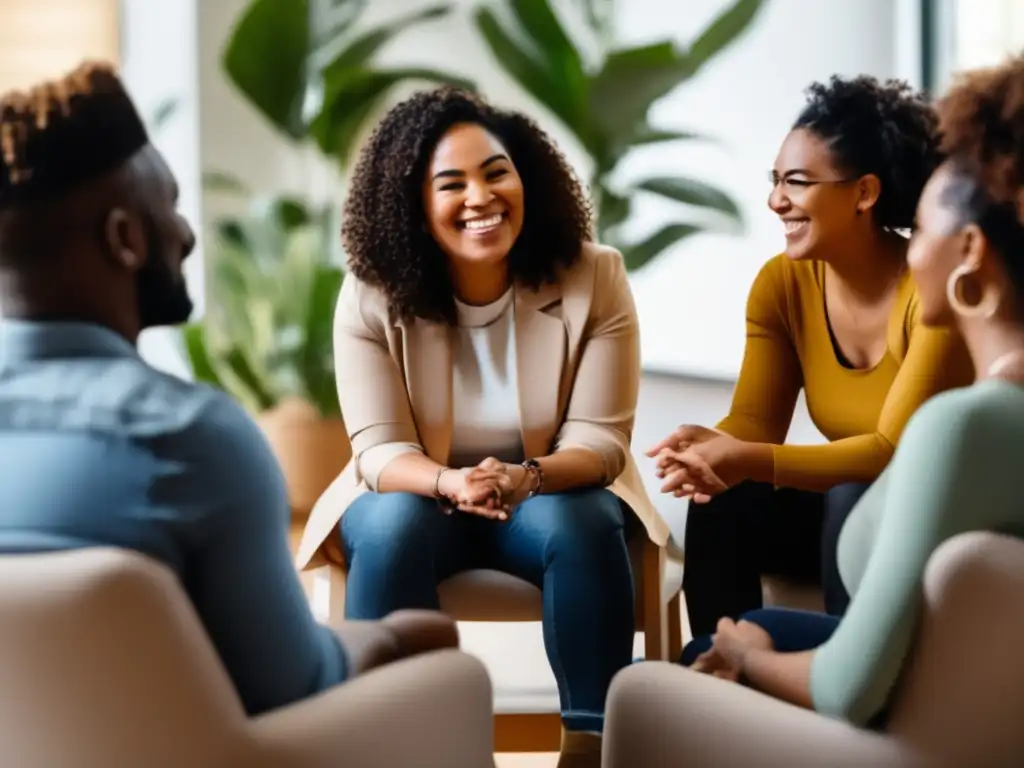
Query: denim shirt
x=97 y=448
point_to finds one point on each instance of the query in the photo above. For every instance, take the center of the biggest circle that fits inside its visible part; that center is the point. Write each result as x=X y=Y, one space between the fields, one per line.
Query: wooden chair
x=487 y=595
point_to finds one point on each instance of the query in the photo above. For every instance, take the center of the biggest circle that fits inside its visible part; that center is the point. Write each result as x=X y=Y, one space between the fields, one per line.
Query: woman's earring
x=984 y=307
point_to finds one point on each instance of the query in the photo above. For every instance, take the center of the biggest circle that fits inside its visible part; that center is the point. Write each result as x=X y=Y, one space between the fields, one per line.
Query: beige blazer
x=578 y=370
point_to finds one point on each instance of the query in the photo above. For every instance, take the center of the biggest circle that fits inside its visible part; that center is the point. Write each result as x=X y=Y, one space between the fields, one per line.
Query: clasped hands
x=731 y=643
x=699 y=463
x=492 y=489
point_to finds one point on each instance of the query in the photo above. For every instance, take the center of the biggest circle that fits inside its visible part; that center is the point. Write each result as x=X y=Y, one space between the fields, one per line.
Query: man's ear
x=124 y=239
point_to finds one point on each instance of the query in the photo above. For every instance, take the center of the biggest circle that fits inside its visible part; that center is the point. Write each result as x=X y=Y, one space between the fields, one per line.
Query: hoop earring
x=984 y=308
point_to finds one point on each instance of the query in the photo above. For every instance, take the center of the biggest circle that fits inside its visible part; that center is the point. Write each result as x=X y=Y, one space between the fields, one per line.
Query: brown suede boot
x=580 y=749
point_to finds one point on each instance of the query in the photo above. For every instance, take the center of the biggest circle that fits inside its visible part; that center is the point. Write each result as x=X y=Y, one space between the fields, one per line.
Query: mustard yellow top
x=862 y=412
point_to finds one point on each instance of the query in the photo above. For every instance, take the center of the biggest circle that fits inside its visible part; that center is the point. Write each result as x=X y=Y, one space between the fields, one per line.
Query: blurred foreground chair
x=487 y=595
x=104 y=664
x=957 y=704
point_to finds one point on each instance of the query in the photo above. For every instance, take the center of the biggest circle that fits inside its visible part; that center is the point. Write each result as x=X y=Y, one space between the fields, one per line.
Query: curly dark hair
x=383 y=228
x=882 y=128
x=981 y=119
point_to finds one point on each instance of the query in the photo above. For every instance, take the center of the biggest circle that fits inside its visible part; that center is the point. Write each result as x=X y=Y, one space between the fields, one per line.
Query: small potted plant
x=266 y=335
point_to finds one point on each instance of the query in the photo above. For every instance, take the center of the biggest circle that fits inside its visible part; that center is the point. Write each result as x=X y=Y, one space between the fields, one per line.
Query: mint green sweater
x=957 y=468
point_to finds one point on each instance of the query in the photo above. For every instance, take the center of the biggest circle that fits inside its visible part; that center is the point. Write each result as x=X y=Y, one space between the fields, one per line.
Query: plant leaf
x=353 y=96
x=330 y=19
x=266 y=57
x=531 y=74
x=163 y=113
x=194 y=337
x=612 y=210
x=357 y=54
x=630 y=81
x=639 y=254
x=238 y=362
x=289 y=213
x=565 y=64
x=317 y=362
x=724 y=30
x=222 y=181
x=693 y=192
x=648 y=135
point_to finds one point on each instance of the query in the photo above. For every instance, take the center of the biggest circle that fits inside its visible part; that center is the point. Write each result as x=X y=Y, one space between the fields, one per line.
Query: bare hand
x=476 y=490
x=734 y=640
x=512 y=488
x=711 y=663
x=707 y=468
x=681 y=439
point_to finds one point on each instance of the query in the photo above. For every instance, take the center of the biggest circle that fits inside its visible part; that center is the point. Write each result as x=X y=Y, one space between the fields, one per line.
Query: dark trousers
x=571 y=545
x=791 y=631
x=755 y=529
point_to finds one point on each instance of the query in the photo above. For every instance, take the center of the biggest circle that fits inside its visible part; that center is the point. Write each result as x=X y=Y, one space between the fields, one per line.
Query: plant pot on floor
x=311 y=451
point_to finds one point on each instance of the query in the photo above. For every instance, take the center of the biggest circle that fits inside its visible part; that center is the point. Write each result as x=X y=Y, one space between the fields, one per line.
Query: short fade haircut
x=62 y=133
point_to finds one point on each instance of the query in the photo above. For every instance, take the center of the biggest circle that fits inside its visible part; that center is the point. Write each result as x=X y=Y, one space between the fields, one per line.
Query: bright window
x=41 y=39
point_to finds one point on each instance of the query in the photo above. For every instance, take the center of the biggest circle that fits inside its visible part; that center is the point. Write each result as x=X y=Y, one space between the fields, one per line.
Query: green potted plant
x=305 y=66
x=606 y=102
x=266 y=335
x=309 y=69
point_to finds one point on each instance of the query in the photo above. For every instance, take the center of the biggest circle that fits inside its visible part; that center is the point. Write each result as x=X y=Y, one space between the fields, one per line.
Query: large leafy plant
x=275 y=271
x=274 y=281
x=606 y=102
x=303 y=65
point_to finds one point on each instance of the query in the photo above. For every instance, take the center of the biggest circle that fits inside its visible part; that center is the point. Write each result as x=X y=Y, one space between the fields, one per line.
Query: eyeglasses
x=793 y=186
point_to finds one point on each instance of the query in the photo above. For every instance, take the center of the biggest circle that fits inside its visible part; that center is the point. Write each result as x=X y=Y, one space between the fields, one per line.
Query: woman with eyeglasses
x=837 y=316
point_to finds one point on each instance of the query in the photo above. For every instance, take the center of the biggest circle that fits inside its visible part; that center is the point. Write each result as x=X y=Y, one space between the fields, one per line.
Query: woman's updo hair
x=982 y=125
x=881 y=128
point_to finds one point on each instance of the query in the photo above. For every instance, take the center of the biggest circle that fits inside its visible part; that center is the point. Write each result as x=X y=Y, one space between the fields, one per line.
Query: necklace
x=1005 y=362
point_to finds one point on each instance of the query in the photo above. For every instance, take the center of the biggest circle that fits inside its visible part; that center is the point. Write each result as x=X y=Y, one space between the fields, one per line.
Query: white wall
x=691 y=302
x=159 y=61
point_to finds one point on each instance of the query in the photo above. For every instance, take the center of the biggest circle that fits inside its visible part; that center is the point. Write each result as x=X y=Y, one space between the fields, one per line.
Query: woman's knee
x=575 y=517
x=381 y=519
x=841 y=499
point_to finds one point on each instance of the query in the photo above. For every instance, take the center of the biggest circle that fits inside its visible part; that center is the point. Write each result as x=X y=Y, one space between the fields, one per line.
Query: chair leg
x=656 y=630
x=675 y=629
x=337 y=594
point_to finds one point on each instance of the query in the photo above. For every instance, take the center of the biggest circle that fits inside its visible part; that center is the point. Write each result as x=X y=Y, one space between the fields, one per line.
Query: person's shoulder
x=781 y=273
x=222 y=426
x=598 y=253
x=596 y=266
x=778 y=285
x=988 y=412
x=136 y=398
x=360 y=302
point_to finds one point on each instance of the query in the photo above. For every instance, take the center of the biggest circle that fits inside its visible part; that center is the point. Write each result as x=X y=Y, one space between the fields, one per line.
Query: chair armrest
x=662 y=715
x=433 y=711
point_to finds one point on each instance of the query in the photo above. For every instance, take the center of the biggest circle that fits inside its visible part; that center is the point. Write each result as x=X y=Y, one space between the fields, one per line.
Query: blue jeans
x=791 y=631
x=572 y=546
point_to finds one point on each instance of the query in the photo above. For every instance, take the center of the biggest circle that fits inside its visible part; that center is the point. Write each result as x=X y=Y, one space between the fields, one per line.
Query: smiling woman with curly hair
x=488 y=368
x=407 y=263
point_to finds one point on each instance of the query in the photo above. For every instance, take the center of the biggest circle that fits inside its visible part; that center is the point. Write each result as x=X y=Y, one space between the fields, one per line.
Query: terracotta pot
x=311 y=450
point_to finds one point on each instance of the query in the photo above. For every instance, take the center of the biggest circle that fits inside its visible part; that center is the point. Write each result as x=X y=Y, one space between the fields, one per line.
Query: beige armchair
x=958 y=704
x=486 y=595
x=103 y=664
